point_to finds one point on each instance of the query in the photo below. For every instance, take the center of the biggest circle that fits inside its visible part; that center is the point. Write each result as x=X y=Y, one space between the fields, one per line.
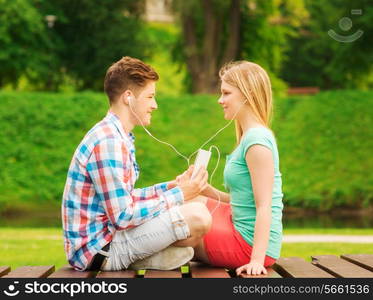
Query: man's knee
x=198 y=218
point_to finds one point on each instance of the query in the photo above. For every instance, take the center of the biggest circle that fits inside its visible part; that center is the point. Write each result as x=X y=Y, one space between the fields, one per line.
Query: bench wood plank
x=117 y=274
x=297 y=267
x=68 y=272
x=4 y=270
x=200 y=270
x=31 y=272
x=362 y=260
x=307 y=90
x=162 y=274
x=340 y=267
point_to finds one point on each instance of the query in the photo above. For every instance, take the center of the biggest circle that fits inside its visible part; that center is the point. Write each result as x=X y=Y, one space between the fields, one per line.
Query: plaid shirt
x=99 y=196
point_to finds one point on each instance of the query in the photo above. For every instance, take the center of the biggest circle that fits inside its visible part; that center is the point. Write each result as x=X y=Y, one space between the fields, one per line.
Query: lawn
x=44 y=246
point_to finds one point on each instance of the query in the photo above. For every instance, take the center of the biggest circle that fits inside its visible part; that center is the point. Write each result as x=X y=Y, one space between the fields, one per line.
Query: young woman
x=246 y=230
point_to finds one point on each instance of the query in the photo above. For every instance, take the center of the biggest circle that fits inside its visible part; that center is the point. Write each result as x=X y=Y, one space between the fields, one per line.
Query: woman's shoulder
x=258 y=135
x=258 y=132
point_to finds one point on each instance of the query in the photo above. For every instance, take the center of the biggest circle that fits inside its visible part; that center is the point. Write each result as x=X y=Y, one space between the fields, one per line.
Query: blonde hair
x=254 y=83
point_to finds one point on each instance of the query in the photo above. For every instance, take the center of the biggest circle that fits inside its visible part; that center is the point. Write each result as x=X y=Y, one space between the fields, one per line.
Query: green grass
x=306 y=250
x=44 y=246
x=30 y=246
x=336 y=231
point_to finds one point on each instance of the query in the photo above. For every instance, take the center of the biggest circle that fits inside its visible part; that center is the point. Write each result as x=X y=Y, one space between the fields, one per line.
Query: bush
x=324 y=143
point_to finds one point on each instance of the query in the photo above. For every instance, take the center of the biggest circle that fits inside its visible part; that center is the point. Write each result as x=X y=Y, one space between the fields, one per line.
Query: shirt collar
x=112 y=117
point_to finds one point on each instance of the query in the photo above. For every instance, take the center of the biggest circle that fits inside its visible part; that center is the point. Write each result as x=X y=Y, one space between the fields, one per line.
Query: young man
x=110 y=225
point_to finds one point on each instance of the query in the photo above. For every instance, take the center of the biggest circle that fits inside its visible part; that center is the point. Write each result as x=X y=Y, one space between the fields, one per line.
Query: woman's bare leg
x=200 y=253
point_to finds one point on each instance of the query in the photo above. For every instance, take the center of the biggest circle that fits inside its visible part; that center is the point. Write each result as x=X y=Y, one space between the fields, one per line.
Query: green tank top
x=238 y=183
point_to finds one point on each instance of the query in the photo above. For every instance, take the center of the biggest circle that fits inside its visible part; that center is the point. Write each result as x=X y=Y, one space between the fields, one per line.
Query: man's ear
x=125 y=97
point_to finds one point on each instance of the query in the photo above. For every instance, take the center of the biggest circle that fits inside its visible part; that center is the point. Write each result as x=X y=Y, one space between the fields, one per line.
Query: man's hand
x=185 y=177
x=171 y=184
x=192 y=187
x=252 y=268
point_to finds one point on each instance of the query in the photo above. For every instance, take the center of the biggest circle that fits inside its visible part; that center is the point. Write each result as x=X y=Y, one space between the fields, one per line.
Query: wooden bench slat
x=270 y=274
x=4 y=270
x=340 y=267
x=297 y=267
x=68 y=272
x=163 y=274
x=362 y=260
x=306 y=90
x=31 y=272
x=200 y=270
x=117 y=274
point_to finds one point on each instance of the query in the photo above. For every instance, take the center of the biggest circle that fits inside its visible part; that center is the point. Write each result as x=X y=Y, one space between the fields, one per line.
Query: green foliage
x=315 y=59
x=324 y=141
x=95 y=34
x=266 y=28
x=161 y=38
x=85 y=39
x=24 y=44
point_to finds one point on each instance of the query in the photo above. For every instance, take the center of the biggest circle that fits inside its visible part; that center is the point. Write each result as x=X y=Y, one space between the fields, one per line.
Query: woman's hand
x=252 y=268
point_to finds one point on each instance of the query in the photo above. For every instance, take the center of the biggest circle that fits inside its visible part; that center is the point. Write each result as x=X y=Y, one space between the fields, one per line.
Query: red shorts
x=224 y=245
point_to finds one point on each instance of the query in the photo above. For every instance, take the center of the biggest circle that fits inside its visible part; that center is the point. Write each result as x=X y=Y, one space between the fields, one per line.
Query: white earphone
x=129 y=98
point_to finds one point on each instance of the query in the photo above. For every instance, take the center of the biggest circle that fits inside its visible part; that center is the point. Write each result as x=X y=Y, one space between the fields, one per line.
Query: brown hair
x=127 y=73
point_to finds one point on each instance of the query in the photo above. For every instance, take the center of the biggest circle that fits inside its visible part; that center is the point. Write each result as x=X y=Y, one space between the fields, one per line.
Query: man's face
x=144 y=104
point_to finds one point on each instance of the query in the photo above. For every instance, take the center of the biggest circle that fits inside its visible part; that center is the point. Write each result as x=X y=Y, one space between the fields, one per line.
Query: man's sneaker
x=168 y=259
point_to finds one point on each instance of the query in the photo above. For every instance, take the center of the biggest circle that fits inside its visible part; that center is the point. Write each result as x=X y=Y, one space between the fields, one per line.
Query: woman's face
x=231 y=100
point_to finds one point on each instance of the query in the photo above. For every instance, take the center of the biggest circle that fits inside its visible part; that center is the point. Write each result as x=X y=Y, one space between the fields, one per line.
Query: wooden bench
x=322 y=266
x=306 y=90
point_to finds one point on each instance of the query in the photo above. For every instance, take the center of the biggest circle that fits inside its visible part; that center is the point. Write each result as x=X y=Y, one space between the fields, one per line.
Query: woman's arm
x=210 y=191
x=261 y=166
x=214 y=193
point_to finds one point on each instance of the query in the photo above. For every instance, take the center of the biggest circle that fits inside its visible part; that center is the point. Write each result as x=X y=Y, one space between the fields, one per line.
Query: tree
x=85 y=38
x=24 y=42
x=217 y=31
x=316 y=59
x=95 y=34
x=204 y=44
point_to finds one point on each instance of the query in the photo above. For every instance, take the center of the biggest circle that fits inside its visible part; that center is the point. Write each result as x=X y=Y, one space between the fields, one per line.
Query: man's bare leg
x=198 y=218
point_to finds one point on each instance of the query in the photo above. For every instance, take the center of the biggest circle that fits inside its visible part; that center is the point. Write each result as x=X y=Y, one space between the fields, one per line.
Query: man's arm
x=107 y=168
x=153 y=191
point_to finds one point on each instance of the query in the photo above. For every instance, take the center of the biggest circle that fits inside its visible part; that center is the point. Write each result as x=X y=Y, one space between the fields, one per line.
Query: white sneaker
x=168 y=259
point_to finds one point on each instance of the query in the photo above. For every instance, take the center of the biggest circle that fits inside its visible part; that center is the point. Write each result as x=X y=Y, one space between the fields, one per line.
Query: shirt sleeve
x=152 y=191
x=110 y=171
x=256 y=138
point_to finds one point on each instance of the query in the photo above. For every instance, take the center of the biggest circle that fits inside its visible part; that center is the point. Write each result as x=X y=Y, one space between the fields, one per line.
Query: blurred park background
x=53 y=58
